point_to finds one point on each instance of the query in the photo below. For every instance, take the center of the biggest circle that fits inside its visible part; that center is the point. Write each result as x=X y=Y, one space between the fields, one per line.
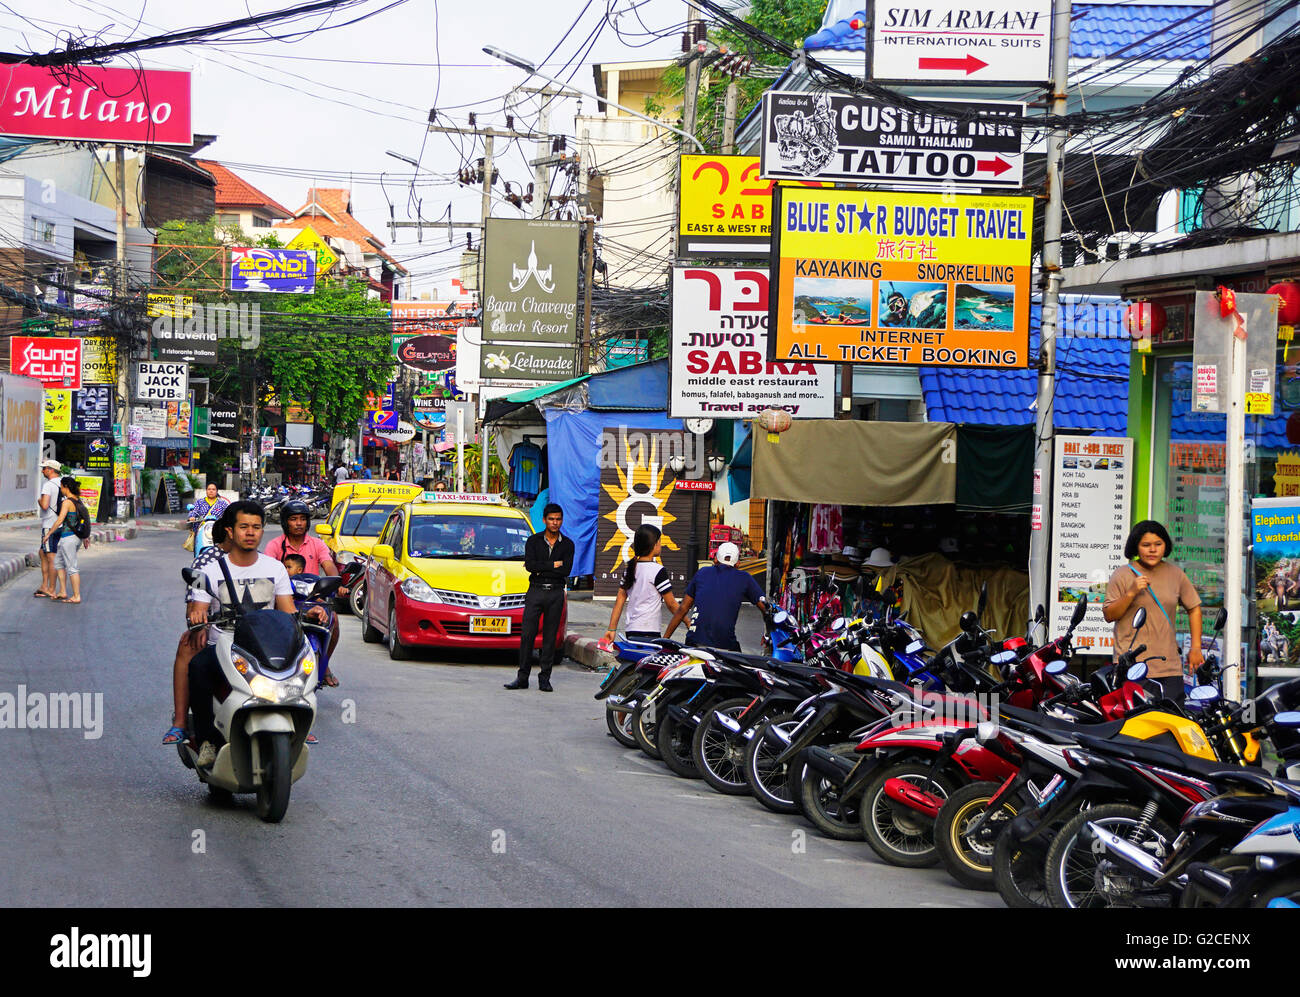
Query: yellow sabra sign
x=98 y=360
x=1259 y=403
x=892 y=277
x=724 y=196
x=325 y=257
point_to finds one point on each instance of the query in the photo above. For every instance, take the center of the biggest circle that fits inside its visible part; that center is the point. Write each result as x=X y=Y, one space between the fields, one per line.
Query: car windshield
x=495 y=538
x=366 y=520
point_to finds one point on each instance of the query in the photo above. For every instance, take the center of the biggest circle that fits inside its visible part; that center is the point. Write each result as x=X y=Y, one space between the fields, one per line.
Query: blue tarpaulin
x=641 y=387
x=572 y=452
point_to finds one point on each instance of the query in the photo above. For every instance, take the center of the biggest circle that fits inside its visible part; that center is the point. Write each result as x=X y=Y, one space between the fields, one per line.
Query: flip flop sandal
x=174 y=736
x=311 y=739
x=58 y=598
x=42 y=595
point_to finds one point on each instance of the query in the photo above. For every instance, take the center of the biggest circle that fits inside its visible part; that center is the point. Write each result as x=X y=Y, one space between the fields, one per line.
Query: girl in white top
x=646 y=586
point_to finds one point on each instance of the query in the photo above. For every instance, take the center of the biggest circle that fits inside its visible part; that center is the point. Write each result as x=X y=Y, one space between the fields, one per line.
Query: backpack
x=82 y=528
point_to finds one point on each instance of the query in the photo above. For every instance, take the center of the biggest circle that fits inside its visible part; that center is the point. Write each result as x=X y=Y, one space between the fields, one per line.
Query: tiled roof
x=1164 y=31
x=233 y=191
x=1092 y=392
x=328 y=211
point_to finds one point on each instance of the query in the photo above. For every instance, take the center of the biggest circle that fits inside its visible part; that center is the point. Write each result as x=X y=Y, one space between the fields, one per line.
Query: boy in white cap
x=48 y=501
x=719 y=589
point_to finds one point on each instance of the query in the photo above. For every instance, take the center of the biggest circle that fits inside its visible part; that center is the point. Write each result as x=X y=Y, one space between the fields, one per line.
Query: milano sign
x=96 y=104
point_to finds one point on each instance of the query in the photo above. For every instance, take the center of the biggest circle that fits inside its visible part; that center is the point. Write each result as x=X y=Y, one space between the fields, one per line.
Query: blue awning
x=640 y=387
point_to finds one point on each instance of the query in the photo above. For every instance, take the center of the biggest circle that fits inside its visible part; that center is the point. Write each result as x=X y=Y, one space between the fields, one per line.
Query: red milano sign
x=55 y=362
x=96 y=104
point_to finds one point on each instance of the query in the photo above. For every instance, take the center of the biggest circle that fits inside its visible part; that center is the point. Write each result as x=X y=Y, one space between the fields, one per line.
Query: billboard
x=58 y=411
x=517 y=362
x=427 y=353
x=530 y=281
x=96 y=104
x=55 y=362
x=726 y=209
x=308 y=241
x=162 y=382
x=98 y=360
x=22 y=406
x=92 y=409
x=1275 y=533
x=854 y=138
x=281 y=271
x=901 y=278
x=719 y=366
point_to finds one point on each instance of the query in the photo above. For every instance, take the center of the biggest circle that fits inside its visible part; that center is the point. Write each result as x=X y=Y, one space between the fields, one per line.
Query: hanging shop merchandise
x=852 y=138
x=901 y=278
x=719 y=352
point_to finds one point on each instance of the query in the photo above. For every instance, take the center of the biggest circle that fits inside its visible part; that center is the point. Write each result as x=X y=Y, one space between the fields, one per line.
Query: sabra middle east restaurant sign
x=96 y=104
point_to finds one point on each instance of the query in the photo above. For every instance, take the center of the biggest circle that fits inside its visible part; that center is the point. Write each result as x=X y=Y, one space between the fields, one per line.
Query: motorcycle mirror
x=780 y=618
x=1057 y=667
x=327 y=586
x=969 y=622
x=1204 y=694
x=1220 y=619
x=1139 y=618
x=1080 y=609
x=1003 y=657
x=1137 y=672
x=983 y=602
x=986 y=731
x=838 y=624
x=1291 y=718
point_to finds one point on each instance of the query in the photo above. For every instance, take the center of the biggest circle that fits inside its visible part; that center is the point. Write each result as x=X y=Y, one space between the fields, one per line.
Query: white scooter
x=270 y=668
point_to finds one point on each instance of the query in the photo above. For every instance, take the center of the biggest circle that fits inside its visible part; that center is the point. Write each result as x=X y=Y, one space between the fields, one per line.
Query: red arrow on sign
x=997 y=166
x=967 y=62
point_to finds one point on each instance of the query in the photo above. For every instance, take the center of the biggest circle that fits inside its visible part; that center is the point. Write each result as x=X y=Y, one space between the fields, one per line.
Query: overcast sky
x=272 y=106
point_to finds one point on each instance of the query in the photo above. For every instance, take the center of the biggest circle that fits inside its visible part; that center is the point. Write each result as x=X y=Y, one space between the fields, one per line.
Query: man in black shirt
x=548 y=556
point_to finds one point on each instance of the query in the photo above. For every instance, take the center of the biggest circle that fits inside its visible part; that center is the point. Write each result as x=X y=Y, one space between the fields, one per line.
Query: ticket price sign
x=1092 y=485
x=901 y=278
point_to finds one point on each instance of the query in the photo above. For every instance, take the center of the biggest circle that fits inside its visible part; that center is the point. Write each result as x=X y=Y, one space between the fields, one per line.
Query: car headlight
x=416 y=589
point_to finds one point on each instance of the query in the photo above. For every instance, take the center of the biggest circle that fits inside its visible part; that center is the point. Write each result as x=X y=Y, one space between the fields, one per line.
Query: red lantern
x=1288 y=294
x=1144 y=319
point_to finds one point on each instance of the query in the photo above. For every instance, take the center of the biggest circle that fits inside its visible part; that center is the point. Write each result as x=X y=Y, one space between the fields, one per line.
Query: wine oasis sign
x=96 y=104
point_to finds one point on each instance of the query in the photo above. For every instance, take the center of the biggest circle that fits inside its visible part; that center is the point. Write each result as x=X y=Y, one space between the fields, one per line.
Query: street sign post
x=858 y=139
x=942 y=41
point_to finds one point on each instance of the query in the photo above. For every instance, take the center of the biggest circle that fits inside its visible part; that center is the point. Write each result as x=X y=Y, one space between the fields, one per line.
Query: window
x=260 y=222
x=42 y=230
x=228 y=220
x=366 y=520
x=500 y=538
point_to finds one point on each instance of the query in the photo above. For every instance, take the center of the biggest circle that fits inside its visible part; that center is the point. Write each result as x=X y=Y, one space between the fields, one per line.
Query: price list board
x=1092 y=484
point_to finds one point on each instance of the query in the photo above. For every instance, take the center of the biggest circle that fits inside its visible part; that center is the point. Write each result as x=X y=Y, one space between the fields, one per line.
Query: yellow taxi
x=358 y=511
x=448 y=571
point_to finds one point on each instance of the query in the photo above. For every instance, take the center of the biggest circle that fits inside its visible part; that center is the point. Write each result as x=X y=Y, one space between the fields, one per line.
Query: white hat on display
x=728 y=553
x=880 y=558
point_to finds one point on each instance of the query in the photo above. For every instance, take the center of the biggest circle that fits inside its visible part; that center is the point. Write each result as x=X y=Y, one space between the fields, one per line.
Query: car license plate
x=489 y=624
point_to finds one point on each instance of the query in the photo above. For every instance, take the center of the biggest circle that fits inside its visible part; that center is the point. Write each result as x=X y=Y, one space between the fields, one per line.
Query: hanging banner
x=55 y=362
x=279 y=271
x=1092 y=483
x=530 y=281
x=91 y=486
x=131 y=106
x=92 y=409
x=179 y=416
x=58 y=411
x=99 y=453
x=169 y=305
x=636 y=486
x=98 y=360
x=22 y=407
x=511 y=362
x=162 y=382
x=1275 y=533
x=427 y=353
x=121 y=471
x=846 y=138
x=719 y=366
x=901 y=278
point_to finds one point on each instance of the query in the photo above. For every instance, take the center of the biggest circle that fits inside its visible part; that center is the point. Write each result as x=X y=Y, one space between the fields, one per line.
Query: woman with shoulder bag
x=73 y=520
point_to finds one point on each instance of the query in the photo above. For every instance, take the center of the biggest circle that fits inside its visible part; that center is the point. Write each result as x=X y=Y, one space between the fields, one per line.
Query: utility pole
x=1045 y=437
x=692 y=72
x=123 y=355
x=729 y=119
x=586 y=346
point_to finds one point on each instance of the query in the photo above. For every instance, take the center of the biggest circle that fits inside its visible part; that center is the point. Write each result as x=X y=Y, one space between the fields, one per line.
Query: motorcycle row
x=272 y=497
x=987 y=756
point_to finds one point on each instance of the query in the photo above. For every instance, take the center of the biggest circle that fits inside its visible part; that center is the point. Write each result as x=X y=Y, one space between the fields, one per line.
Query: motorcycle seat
x=742 y=660
x=1140 y=751
x=1065 y=729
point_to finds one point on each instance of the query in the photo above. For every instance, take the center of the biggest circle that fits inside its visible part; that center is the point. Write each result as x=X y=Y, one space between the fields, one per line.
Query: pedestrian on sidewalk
x=64 y=534
x=718 y=590
x=645 y=587
x=48 y=501
x=548 y=556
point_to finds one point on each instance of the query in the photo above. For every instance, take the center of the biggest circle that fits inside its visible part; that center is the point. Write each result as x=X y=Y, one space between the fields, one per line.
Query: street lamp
x=404 y=159
x=532 y=70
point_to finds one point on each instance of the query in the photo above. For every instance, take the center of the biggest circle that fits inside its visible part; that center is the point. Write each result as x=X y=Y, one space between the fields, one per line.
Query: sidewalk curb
x=586 y=651
x=12 y=567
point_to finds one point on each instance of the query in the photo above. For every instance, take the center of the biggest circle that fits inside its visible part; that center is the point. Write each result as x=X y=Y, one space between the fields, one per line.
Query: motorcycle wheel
x=619 y=723
x=396 y=649
x=897 y=833
x=1073 y=870
x=718 y=754
x=1196 y=896
x=821 y=805
x=674 y=742
x=1284 y=889
x=968 y=861
x=357 y=600
x=767 y=781
x=644 y=730
x=1018 y=872
x=277 y=776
